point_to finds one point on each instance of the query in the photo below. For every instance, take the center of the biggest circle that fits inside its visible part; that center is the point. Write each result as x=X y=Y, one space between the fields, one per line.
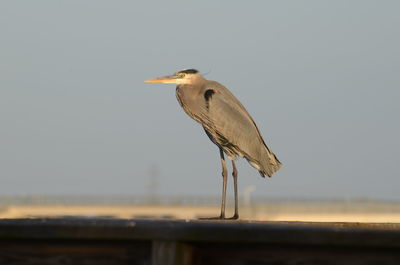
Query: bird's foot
x=212 y=218
x=234 y=217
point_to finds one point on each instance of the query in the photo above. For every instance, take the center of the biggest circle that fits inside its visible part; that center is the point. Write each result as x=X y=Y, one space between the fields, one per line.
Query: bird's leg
x=235 y=175
x=225 y=180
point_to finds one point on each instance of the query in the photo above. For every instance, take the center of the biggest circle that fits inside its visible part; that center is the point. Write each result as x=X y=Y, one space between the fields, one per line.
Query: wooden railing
x=175 y=242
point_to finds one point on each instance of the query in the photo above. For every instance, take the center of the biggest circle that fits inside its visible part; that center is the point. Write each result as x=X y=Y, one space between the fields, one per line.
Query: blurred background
x=320 y=78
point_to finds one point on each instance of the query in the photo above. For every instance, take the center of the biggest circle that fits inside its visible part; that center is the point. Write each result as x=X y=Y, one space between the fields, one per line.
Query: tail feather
x=269 y=165
x=272 y=164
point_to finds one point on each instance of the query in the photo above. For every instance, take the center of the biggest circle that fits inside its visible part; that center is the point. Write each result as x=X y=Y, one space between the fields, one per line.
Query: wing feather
x=233 y=128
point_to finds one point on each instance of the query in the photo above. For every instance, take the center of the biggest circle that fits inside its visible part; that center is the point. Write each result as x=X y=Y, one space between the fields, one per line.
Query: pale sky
x=320 y=78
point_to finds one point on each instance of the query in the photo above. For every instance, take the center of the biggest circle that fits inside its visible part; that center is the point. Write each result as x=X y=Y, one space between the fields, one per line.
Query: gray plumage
x=226 y=122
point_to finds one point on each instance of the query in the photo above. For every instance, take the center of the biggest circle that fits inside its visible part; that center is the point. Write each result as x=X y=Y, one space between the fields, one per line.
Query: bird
x=226 y=122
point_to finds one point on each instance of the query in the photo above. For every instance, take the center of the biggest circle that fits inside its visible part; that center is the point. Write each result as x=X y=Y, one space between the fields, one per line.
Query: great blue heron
x=226 y=122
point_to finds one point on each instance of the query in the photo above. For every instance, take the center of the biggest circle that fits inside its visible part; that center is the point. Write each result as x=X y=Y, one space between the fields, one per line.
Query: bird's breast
x=190 y=102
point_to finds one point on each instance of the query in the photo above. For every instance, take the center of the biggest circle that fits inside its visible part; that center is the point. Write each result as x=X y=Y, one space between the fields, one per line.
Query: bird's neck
x=190 y=90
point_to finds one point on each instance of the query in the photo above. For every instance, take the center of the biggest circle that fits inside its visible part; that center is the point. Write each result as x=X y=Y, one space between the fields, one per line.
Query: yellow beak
x=171 y=79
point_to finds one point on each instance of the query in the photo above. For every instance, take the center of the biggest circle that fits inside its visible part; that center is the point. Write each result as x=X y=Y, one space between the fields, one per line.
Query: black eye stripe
x=189 y=71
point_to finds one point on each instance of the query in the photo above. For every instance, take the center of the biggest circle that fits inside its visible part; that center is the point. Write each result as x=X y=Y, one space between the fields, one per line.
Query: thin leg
x=225 y=180
x=235 y=175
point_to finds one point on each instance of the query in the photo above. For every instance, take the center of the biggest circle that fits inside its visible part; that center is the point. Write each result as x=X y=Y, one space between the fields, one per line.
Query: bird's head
x=183 y=77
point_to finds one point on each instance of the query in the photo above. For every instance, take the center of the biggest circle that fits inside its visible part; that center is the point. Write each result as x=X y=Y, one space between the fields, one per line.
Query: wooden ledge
x=339 y=234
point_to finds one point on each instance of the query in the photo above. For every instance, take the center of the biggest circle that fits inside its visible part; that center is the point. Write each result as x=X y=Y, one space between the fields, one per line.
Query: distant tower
x=247 y=194
x=152 y=183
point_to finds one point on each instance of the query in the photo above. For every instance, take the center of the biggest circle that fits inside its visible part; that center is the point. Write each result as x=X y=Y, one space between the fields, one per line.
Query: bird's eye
x=181 y=75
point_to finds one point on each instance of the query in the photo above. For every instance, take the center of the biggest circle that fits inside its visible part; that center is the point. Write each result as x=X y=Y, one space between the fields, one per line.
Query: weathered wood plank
x=74 y=253
x=341 y=234
x=177 y=242
x=259 y=254
x=171 y=253
x=164 y=253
